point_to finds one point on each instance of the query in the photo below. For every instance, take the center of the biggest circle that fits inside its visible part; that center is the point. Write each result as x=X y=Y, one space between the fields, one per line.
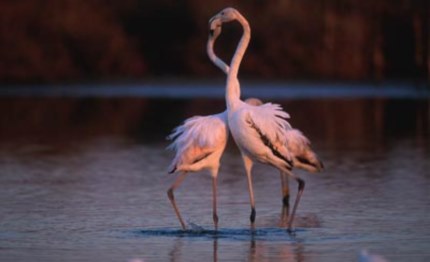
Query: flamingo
x=263 y=133
x=213 y=35
x=200 y=142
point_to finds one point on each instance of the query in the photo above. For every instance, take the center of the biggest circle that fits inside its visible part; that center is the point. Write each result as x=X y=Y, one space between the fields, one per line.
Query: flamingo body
x=262 y=133
x=199 y=143
x=259 y=135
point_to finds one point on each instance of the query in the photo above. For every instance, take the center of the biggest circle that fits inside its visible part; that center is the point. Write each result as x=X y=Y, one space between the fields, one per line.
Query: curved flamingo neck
x=220 y=63
x=214 y=58
x=232 y=86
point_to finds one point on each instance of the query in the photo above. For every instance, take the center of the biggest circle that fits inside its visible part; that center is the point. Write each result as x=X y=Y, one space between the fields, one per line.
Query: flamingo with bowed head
x=263 y=133
x=213 y=35
x=199 y=144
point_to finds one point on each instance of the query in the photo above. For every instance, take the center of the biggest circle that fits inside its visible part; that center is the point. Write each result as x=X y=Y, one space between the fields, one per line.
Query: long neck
x=214 y=58
x=221 y=64
x=232 y=87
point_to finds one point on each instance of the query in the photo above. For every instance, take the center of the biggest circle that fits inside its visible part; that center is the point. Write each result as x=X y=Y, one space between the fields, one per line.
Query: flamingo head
x=214 y=30
x=226 y=15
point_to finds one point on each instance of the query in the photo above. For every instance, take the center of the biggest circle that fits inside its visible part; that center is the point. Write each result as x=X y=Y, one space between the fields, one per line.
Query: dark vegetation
x=57 y=41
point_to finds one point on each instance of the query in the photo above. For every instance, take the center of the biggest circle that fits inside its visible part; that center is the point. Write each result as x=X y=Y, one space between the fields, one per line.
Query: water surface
x=102 y=196
x=105 y=199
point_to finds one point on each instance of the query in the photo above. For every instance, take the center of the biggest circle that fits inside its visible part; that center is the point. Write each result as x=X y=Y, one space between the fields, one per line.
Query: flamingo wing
x=199 y=131
x=198 y=137
x=296 y=141
x=270 y=124
x=300 y=148
x=271 y=120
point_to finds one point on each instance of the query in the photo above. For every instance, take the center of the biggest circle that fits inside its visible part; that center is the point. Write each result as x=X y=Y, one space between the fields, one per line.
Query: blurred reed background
x=50 y=41
x=53 y=43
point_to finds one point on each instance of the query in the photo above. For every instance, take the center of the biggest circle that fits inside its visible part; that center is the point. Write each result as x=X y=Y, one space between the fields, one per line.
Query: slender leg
x=285 y=199
x=296 y=202
x=248 y=166
x=285 y=190
x=177 y=182
x=214 y=195
x=283 y=221
x=215 y=251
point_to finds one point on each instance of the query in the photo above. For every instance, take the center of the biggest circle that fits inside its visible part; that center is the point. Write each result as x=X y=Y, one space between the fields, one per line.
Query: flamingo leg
x=248 y=167
x=214 y=201
x=285 y=190
x=171 y=196
x=285 y=199
x=296 y=202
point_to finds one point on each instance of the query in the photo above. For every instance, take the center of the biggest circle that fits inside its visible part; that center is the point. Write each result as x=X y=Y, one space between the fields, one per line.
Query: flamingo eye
x=222 y=13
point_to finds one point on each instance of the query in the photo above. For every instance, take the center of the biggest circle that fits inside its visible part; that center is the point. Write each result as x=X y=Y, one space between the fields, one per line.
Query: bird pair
x=261 y=131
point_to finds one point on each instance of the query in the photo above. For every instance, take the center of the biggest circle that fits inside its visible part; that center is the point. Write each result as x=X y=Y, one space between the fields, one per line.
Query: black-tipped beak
x=211 y=32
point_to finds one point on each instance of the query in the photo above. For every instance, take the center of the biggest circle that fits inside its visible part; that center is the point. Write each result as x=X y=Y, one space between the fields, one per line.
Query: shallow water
x=84 y=179
x=102 y=197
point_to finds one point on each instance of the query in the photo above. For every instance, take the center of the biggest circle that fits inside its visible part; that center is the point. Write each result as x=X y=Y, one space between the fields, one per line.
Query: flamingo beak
x=214 y=22
x=214 y=26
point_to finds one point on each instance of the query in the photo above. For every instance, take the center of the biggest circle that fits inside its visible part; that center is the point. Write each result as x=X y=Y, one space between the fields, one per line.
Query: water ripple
x=268 y=234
